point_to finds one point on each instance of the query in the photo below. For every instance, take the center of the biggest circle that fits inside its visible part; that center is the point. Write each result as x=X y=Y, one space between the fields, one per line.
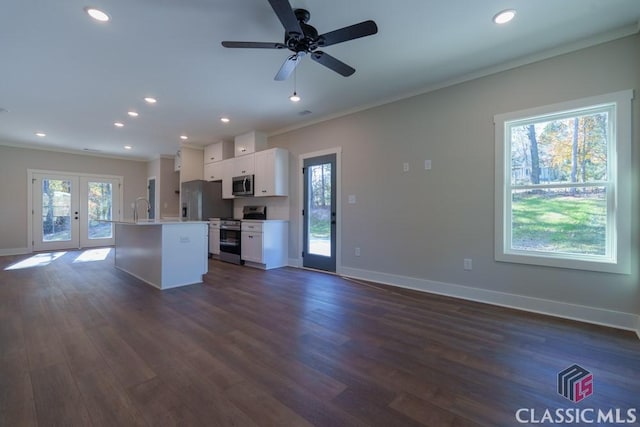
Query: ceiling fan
x=303 y=39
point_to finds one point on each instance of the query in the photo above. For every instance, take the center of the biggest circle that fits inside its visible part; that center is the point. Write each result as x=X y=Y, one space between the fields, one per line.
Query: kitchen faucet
x=135 y=208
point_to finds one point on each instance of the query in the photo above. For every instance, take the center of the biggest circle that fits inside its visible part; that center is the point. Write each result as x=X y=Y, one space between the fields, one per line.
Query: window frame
x=617 y=258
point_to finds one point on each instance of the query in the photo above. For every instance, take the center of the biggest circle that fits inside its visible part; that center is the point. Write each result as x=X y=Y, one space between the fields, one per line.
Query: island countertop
x=155 y=222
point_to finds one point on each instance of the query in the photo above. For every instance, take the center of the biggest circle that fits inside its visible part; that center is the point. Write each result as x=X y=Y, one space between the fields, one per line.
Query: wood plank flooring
x=84 y=344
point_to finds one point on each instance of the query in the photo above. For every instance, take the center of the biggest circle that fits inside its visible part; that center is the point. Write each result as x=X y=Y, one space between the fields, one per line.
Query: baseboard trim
x=598 y=316
x=14 y=251
x=295 y=262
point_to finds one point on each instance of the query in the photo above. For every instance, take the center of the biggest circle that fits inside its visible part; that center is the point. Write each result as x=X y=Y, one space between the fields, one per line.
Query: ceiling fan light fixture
x=504 y=16
x=97 y=14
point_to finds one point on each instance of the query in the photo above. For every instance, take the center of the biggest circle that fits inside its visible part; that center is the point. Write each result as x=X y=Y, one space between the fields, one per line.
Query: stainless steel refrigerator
x=202 y=200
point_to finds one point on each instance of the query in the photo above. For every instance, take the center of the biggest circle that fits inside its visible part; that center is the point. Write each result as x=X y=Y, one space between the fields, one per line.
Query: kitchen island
x=164 y=254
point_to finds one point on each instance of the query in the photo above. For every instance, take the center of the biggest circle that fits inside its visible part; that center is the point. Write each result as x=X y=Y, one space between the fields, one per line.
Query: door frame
x=301 y=158
x=30 y=208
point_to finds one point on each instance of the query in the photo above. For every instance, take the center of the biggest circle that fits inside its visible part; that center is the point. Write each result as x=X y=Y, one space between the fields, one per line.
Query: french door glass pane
x=56 y=210
x=100 y=207
x=319 y=208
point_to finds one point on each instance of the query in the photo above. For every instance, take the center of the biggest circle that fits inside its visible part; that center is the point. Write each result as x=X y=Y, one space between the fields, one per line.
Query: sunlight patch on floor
x=93 y=255
x=38 y=260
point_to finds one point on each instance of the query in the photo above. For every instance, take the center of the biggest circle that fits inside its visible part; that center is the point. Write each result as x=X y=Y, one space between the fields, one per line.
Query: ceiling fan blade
x=332 y=63
x=355 y=31
x=288 y=66
x=287 y=17
x=254 y=45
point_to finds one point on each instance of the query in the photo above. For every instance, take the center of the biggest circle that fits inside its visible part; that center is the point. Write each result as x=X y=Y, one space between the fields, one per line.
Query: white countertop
x=157 y=222
x=265 y=220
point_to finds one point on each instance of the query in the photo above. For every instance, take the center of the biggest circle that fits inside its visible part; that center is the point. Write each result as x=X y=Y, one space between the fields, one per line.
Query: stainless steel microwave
x=242 y=185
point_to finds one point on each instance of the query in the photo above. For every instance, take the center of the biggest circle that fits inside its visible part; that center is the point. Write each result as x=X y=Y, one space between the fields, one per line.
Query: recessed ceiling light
x=184 y=137
x=41 y=134
x=118 y=124
x=128 y=147
x=150 y=100
x=132 y=113
x=97 y=14
x=504 y=16
x=224 y=120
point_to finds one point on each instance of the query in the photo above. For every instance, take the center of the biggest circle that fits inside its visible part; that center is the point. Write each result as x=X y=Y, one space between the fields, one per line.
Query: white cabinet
x=214 y=237
x=251 y=246
x=227 y=178
x=218 y=151
x=271 y=172
x=244 y=165
x=264 y=244
x=250 y=143
x=214 y=171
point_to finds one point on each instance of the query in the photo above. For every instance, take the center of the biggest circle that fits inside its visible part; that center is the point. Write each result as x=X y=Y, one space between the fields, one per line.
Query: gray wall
x=421 y=224
x=14 y=163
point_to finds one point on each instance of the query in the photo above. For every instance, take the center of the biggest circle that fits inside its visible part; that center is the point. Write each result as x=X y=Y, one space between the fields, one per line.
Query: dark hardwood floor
x=84 y=344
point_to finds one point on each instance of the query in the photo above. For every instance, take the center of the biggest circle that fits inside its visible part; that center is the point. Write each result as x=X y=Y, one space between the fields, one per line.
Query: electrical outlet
x=468 y=264
x=405 y=166
x=357 y=251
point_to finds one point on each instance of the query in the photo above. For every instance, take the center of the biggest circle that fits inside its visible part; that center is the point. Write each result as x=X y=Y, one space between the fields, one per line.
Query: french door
x=319 y=213
x=69 y=210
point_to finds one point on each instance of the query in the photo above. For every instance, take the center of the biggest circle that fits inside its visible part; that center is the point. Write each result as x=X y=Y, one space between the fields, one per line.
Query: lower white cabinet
x=214 y=237
x=264 y=244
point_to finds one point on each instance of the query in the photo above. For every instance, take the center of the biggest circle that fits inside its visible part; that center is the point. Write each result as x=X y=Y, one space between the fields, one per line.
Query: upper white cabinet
x=244 y=165
x=250 y=143
x=218 y=151
x=214 y=171
x=271 y=172
x=227 y=178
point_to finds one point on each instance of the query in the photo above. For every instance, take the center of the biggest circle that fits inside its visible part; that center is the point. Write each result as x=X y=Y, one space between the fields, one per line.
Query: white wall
x=415 y=228
x=14 y=163
x=167 y=183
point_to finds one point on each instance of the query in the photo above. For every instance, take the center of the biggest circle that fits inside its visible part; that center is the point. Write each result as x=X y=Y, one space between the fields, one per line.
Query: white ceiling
x=72 y=78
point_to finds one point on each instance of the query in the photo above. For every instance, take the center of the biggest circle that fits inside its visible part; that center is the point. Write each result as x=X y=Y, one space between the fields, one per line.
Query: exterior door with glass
x=68 y=209
x=319 y=213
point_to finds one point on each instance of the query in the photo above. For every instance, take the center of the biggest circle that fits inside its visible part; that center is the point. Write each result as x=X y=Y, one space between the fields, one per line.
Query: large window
x=563 y=184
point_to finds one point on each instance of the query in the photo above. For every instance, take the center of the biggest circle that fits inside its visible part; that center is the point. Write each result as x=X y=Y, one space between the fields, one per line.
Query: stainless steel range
x=230 y=238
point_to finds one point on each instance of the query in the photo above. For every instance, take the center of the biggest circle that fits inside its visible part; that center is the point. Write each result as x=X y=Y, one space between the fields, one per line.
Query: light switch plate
x=427 y=165
x=405 y=166
x=352 y=199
